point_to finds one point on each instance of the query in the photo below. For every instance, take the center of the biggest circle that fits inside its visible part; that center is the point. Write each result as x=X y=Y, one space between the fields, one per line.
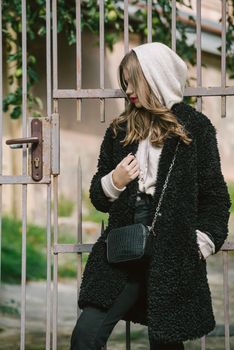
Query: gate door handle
x=18 y=143
x=36 y=148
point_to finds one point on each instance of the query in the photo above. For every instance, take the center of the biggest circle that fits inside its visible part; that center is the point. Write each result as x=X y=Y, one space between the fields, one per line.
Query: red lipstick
x=133 y=99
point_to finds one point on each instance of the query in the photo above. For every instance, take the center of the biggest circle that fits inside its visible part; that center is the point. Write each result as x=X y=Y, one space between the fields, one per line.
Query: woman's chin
x=137 y=104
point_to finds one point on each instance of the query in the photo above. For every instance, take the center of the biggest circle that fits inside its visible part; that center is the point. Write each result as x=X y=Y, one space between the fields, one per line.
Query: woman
x=168 y=292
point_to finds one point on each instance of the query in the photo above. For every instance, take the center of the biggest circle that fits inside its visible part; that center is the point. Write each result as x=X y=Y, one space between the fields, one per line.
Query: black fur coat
x=175 y=301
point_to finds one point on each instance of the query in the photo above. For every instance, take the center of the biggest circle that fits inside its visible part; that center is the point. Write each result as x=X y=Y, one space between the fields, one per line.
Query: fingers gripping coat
x=175 y=300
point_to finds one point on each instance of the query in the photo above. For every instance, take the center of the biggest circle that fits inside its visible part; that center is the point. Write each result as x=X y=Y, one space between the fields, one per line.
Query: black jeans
x=94 y=326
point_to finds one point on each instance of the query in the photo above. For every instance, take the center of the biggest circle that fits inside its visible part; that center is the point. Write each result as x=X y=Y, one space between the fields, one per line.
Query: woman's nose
x=129 y=90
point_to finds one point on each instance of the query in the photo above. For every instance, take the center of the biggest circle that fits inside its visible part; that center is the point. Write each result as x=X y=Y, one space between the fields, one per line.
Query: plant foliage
x=36 y=263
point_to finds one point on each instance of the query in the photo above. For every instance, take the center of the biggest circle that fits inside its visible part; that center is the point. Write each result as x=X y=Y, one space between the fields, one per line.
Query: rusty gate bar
x=126 y=33
x=173 y=26
x=199 y=84
x=126 y=24
x=20 y=180
x=149 y=21
x=198 y=46
x=55 y=264
x=79 y=228
x=63 y=248
x=223 y=58
x=226 y=300
x=55 y=172
x=78 y=57
x=1 y=134
x=48 y=60
x=55 y=178
x=55 y=47
x=24 y=172
x=102 y=58
x=117 y=93
x=48 y=187
x=126 y=50
x=48 y=272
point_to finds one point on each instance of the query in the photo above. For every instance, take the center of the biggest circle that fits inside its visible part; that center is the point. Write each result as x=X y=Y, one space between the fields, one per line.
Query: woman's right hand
x=126 y=171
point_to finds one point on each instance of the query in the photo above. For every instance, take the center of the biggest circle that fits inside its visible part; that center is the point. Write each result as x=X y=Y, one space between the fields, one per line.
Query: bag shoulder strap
x=163 y=191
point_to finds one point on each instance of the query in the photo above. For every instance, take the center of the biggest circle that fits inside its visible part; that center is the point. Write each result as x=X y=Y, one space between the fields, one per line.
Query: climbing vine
x=114 y=22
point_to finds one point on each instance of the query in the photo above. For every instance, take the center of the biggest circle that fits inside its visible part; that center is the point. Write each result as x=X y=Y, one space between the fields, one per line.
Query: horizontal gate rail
x=117 y=93
x=20 y=179
x=73 y=248
x=87 y=247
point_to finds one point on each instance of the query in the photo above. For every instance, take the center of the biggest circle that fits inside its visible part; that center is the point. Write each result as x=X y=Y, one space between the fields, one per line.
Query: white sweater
x=112 y=192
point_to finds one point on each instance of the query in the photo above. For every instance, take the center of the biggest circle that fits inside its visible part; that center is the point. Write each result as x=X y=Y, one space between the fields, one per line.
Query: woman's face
x=130 y=91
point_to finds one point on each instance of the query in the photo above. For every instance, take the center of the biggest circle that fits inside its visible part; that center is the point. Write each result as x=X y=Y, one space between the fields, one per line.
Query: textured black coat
x=175 y=301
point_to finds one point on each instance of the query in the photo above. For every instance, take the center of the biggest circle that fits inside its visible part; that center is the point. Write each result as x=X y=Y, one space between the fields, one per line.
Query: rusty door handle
x=18 y=142
x=36 y=150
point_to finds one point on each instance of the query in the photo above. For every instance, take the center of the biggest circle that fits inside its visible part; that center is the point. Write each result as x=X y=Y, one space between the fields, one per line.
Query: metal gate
x=41 y=138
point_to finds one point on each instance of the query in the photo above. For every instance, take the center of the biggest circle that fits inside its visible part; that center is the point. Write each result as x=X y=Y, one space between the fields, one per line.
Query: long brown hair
x=164 y=122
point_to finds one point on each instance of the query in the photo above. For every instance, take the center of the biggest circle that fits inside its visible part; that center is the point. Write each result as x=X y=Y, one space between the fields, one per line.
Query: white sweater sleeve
x=206 y=245
x=110 y=190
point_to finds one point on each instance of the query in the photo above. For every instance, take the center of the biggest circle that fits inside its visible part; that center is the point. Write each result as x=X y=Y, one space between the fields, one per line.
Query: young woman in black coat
x=169 y=291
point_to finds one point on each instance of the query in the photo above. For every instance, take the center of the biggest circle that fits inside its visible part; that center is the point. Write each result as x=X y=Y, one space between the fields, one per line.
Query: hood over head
x=164 y=70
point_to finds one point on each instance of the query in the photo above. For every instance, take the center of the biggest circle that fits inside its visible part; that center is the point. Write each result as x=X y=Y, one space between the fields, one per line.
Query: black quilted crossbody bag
x=132 y=242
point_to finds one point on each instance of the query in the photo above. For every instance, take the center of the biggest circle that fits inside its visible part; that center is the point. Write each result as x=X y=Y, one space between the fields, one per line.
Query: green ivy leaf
x=16 y=113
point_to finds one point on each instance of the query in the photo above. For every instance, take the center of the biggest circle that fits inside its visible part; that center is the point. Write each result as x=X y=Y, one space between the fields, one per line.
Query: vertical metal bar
x=49 y=112
x=102 y=231
x=128 y=335
x=48 y=218
x=0 y=235
x=24 y=172
x=48 y=59
x=149 y=21
x=173 y=26
x=55 y=144
x=55 y=52
x=226 y=300
x=79 y=228
x=78 y=56
x=1 y=92
x=23 y=268
x=126 y=33
x=24 y=83
x=223 y=58
x=1 y=134
x=55 y=177
x=55 y=45
x=198 y=45
x=48 y=273
x=203 y=343
x=102 y=58
x=55 y=266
